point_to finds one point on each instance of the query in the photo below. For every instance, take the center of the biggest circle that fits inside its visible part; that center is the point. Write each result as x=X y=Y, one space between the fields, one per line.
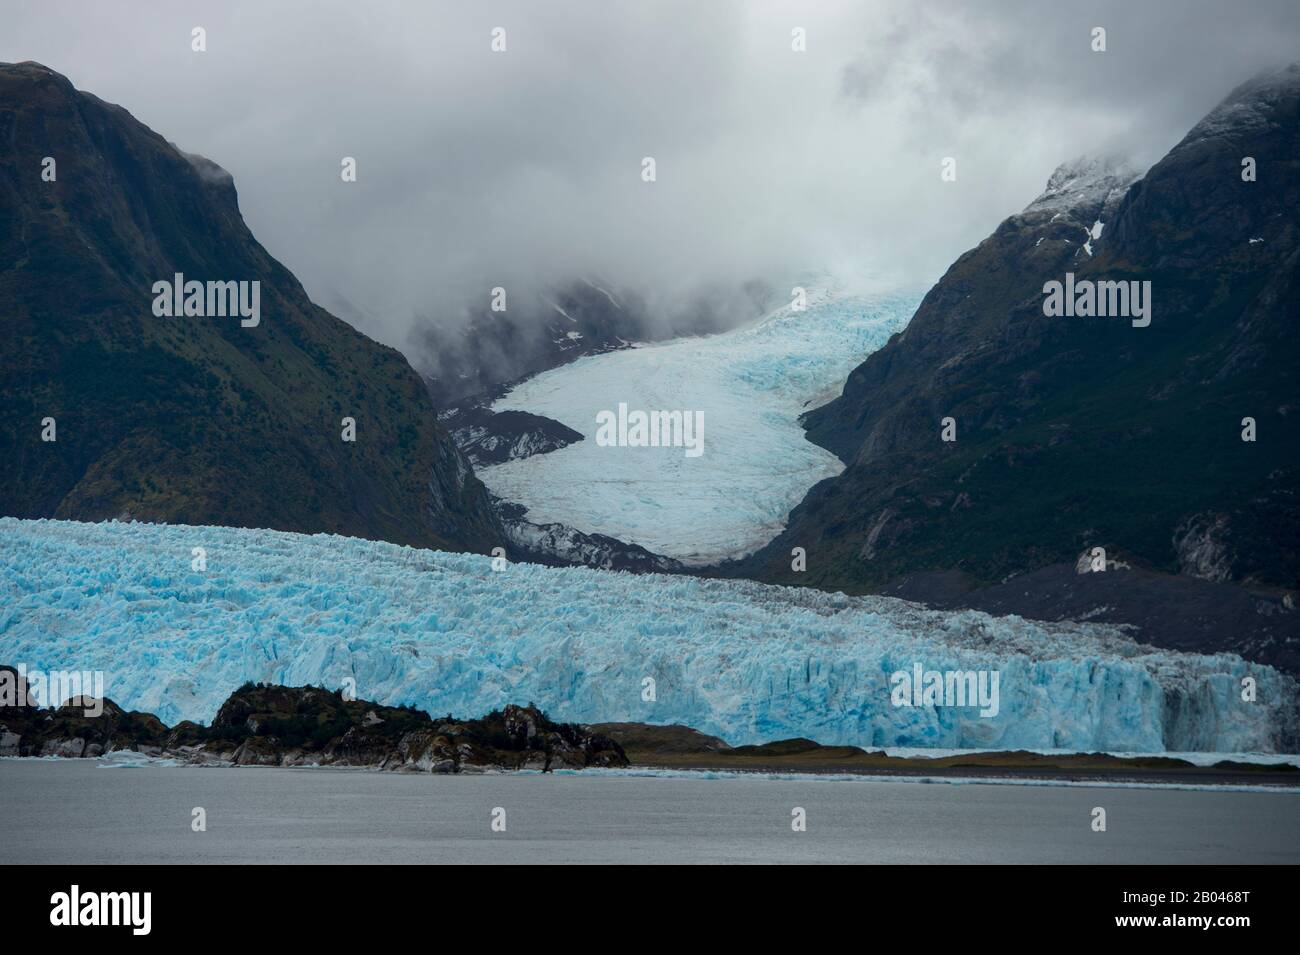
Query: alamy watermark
x=922 y=687
x=75 y=907
x=651 y=429
x=1105 y=299
x=177 y=298
x=22 y=687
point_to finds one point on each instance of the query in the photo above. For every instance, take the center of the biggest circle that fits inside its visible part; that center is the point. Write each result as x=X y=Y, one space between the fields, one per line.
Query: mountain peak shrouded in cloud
x=522 y=168
x=1249 y=107
x=1086 y=177
x=208 y=170
x=544 y=328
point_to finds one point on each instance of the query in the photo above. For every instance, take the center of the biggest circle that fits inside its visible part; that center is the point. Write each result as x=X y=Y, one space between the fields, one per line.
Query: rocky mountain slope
x=202 y=420
x=1081 y=432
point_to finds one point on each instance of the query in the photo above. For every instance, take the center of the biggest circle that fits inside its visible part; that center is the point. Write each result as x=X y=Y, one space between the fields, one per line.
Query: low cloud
x=523 y=168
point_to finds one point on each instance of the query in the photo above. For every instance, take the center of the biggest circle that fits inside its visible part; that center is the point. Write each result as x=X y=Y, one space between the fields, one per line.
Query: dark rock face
x=557 y=545
x=489 y=437
x=533 y=335
x=189 y=419
x=1076 y=432
x=263 y=725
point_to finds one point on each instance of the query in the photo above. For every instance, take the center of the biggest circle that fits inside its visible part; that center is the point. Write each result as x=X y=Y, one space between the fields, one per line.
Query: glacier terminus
x=449 y=633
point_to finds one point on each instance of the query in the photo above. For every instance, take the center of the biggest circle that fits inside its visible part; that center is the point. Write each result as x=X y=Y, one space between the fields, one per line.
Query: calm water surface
x=74 y=811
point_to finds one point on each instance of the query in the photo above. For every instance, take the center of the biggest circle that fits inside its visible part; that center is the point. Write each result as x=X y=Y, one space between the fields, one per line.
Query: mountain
x=1080 y=432
x=202 y=420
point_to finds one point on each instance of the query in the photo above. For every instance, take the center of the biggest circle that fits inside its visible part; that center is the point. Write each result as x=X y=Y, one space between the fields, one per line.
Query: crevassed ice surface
x=751 y=385
x=447 y=633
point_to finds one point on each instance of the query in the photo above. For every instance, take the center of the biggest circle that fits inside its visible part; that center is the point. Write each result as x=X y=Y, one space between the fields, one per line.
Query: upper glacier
x=750 y=384
x=449 y=633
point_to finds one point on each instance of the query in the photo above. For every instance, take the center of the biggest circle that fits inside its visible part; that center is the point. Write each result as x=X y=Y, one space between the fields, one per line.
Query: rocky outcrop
x=265 y=725
x=557 y=545
x=488 y=437
x=1200 y=547
x=79 y=727
x=534 y=333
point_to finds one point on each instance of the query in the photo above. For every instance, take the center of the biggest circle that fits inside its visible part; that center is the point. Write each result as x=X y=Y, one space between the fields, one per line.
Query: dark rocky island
x=264 y=725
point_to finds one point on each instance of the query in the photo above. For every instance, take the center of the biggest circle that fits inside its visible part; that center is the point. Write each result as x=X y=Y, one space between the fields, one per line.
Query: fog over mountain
x=523 y=168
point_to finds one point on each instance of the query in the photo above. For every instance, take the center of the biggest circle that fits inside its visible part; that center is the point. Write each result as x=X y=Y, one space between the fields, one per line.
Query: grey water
x=75 y=812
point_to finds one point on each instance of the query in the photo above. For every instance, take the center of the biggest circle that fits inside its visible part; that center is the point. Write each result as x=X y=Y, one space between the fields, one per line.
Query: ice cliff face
x=447 y=632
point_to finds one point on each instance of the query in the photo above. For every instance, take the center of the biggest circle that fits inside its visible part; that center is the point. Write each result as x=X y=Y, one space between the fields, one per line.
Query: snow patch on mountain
x=1100 y=180
x=751 y=385
x=446 y=632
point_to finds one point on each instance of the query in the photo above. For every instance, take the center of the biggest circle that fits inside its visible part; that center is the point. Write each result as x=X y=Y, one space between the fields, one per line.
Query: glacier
x=751 y=384
x=457 y=633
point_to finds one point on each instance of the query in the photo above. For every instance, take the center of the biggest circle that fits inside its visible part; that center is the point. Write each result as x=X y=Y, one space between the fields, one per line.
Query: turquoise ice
x=448 y=633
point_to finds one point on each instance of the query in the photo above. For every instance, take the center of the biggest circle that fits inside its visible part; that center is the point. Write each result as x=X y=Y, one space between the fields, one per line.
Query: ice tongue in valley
x=693 y=447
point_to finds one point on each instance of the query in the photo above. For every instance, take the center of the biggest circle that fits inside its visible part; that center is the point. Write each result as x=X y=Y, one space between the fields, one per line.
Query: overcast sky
x=478 y=168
